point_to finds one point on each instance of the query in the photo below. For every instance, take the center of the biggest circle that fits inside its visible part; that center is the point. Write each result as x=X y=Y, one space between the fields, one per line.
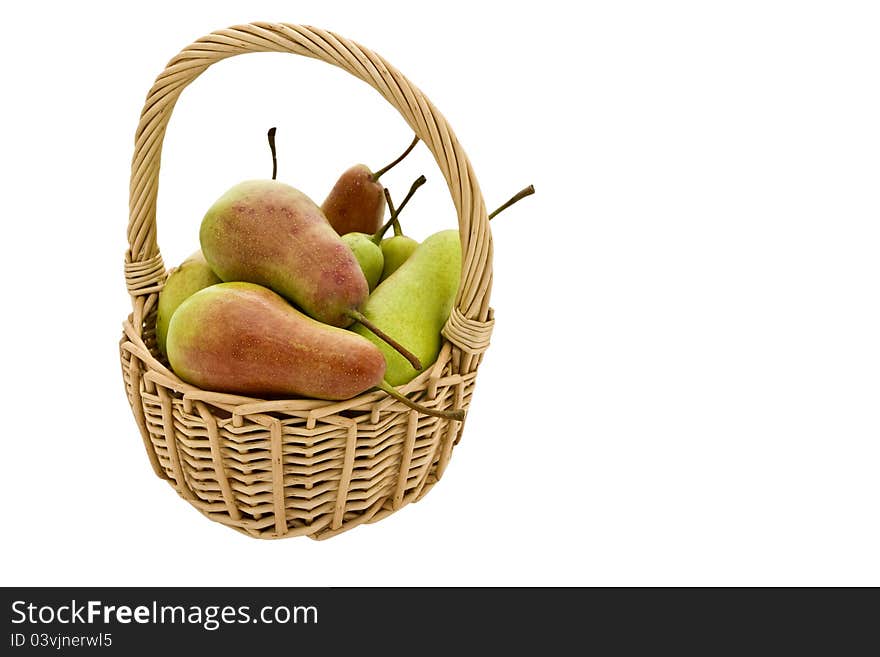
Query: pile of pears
x=286 y=298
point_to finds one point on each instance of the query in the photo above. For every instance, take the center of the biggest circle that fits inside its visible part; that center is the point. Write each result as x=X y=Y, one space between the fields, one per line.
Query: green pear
x=395 y=251
x=414 y=303
x=192 y=275
x=368 y=254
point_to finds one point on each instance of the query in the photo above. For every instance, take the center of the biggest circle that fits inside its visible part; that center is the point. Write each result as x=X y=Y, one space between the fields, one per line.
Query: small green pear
x=368 y=254
x=395 y=251
x=415 y=302
x=183 y=281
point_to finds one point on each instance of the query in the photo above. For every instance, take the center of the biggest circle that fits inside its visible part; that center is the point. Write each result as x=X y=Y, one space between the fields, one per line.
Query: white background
x=683 y=383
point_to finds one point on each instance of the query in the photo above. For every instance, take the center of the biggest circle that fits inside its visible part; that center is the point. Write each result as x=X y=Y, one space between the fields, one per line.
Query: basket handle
x=471 y=320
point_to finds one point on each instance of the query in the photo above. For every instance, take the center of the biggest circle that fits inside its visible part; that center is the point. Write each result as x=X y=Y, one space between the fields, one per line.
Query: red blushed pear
x=243 y=338
x=356 y=204
x=271 y=234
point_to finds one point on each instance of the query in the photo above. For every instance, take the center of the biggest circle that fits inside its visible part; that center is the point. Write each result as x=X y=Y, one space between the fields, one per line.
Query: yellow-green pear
x=395 y=251
x=415 y=302
x=183 y=281
x=368 y=254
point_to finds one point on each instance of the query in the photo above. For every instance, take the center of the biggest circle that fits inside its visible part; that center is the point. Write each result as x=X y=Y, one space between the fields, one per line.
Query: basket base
x=279 y=469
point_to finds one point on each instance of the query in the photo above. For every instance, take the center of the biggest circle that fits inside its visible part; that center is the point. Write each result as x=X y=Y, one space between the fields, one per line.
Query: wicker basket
x=273 y=469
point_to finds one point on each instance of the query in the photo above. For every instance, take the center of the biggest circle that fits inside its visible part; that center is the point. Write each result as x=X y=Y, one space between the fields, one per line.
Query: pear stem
x=395 y=223
x=393 y=164
x=271 y=136
x=454 y=414
x=520 y=195
x=421 y=180
x=403 y=351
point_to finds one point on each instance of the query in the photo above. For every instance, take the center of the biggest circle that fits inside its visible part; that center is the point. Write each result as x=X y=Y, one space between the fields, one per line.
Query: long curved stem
x=379 y=333
x=395 y=223
x=377 y=237
x=391 y=165
x=454 y=414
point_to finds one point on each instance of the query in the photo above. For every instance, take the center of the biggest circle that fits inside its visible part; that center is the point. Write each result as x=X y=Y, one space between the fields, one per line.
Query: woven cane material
x=299 y=467
x=145 y=276
x=470 y=335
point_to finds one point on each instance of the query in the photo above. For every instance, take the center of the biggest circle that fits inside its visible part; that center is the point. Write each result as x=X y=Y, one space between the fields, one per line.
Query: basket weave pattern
x=293 y=467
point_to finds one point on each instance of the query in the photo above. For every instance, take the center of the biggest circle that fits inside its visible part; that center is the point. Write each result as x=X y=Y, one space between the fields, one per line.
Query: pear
x=243 y=338
x=356 y=203
x=414 y=303
x=271 y=234
x=189 y=277
x=368 y=254
x=367 y=249
x=395 y=251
